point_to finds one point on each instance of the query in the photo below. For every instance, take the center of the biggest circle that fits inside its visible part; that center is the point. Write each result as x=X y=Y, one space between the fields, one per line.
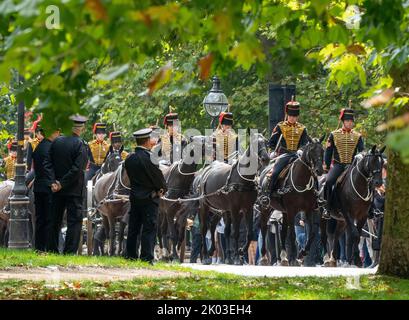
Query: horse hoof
x=284 y=263
x=332 y=264
x=237 y=262
x=207 y=261
x=263 y=262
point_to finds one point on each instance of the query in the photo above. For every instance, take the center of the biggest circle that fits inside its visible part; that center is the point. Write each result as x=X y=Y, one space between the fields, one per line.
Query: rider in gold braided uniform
x=98 y=150
x=172 y=142
x=116 y=145
x=225 y=140
x=10 y=161
x=288 y=136
x=342 y=146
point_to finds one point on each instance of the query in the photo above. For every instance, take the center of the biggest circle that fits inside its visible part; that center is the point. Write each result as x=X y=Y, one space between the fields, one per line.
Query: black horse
x=299 y=178
x=230 y=191
x=354 y=193
x=179 y=178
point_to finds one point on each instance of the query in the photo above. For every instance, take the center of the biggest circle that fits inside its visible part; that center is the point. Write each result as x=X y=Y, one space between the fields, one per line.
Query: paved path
x=270 y=271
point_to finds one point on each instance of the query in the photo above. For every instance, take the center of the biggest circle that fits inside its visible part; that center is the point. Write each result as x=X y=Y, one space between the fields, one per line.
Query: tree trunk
x=395 y=243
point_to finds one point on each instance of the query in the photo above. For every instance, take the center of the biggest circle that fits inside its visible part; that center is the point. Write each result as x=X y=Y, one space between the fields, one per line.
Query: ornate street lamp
x=18 y=228
x=216 y=101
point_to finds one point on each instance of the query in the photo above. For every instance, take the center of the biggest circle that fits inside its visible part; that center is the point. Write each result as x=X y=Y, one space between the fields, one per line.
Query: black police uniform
x=146 y=180
x=42 y=192
x=68 y=156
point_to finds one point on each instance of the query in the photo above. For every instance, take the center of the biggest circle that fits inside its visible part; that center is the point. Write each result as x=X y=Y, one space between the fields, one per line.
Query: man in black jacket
x=42 y=189
x=147 y=185
x=68 y=158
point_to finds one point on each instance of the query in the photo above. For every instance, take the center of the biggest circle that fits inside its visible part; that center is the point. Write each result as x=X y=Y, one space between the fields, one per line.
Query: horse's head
x=263 y=155
x=313 y=155
x=194 y=150
x=372 y=166
x=112 y=162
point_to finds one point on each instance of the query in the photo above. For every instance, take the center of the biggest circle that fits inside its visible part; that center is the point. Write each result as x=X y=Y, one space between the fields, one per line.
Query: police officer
x=147 y=185
x=342 y=145
x=10 y=160
x=116 y=144
x=288 y=136
x=225 y=140
x=42 y=189
x=172 y=142
x=98 y=150
x=68 y=159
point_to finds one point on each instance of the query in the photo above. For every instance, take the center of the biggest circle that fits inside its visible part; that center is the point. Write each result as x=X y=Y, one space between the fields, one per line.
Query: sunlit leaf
x=160 y=78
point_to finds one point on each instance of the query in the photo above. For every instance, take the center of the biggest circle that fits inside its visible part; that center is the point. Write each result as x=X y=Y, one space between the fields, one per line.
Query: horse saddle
x=341 y=177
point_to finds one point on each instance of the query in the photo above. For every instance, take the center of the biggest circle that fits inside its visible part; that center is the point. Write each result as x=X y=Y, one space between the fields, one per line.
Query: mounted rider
x=342 y=146
x=117 y=145
x=33 y=143
x=98 y=148
x=171 y=142
x=288 y=136
x=10 y=160
x=225 y=140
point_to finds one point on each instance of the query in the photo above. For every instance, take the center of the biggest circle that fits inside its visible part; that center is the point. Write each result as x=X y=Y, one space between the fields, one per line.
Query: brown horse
x=230 y=191
x=354 y=198
x=111 y=196
x=300 y=178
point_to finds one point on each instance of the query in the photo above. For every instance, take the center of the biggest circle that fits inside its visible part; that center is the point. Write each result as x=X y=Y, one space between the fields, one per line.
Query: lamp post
x=215 y=102
x=18 y=229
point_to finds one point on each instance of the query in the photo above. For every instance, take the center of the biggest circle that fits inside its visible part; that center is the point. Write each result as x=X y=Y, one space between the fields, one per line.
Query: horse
x=111 y=196
x=111 y=163
x=299 y=177
x=226 y=191
x=354 y=193
x=172 y=210
x=6 y=189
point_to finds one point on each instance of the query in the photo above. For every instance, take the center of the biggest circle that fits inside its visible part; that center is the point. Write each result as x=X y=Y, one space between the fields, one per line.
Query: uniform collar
x=344 y=130
x=291 y=124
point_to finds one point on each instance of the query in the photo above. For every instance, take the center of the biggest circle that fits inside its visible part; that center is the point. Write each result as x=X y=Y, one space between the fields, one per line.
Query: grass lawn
x=197 y=285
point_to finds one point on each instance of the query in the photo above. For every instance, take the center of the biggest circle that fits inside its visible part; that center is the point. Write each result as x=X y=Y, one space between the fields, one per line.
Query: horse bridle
x=367 y=179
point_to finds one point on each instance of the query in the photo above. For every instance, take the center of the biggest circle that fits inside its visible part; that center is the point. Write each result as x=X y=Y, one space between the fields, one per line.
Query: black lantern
x=216 y=101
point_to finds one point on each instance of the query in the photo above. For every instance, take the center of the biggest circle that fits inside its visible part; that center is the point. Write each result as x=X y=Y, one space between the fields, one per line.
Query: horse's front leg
x=112 y=244
x=339 y=229
x=283 y=238
x=310 y=235
x=249 y=219
x=203 y=216
x=236 y=219
x=263 y=228
x=227 y=235
x=213 y=225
